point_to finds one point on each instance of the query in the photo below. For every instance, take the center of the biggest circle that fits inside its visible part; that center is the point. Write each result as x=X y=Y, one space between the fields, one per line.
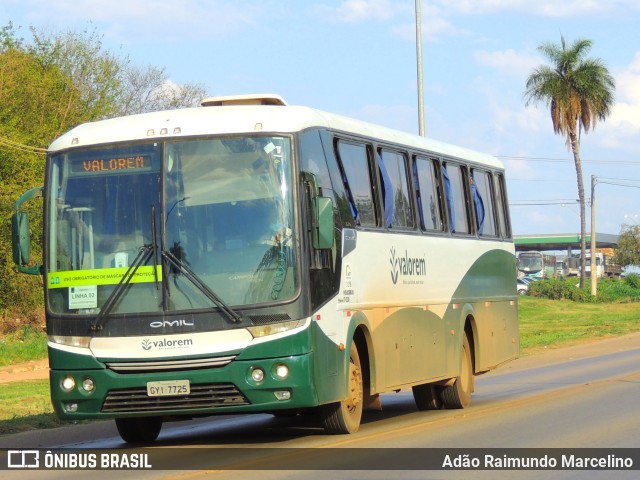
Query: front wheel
x=345 y=416
x=458 y=395
x=139 y=430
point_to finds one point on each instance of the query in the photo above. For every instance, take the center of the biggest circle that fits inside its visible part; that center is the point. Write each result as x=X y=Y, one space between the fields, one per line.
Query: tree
x=48 y=85
x=628 y=251
x=149 y=90
x=579 y=92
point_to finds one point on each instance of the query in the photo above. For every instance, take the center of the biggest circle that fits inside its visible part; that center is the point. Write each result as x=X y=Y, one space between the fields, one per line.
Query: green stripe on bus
x=101 y=276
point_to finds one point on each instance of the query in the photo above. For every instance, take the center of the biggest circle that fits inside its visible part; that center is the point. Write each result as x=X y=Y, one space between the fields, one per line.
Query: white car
x=522 y=287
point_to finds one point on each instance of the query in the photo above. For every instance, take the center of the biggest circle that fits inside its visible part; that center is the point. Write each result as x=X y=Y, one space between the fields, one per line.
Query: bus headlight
x=257 y=375
x=71 y=341
x=68 y=383
x=273 y=328
x=281 y=371
x=88 y=385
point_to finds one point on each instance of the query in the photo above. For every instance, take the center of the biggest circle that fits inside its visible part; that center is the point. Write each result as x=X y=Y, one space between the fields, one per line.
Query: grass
x=543 y=324
x=26 y=406
x=26 y=343
x=554 y=323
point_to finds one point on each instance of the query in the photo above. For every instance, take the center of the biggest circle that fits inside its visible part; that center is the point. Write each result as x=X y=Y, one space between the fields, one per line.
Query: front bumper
x=228 y=389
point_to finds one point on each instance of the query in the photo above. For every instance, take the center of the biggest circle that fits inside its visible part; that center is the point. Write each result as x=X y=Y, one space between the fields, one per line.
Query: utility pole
x=421 y=127
x=594 y=270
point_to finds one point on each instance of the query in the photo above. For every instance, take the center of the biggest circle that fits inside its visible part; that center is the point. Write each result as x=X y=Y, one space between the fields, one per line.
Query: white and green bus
x=250 y=256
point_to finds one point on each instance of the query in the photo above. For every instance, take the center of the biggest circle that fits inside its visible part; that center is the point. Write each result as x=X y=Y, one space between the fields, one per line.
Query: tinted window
x=428 y=193
x=501 y=206
x=395 y=190
x=355 y=164
x=456 y=193
x=482 y=194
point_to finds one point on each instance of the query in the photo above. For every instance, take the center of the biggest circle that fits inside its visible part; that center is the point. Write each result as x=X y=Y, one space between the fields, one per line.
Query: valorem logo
x=166 y=343
x=409 y=268
x=394 y=266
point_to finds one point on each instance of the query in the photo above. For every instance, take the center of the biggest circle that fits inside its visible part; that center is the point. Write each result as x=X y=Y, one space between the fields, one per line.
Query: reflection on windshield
x=100 y=218
x=227 y=214
x=233 y=220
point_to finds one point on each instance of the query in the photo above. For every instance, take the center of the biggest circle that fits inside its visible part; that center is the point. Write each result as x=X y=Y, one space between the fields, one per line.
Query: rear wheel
x=427 y=397
x=139 y=430
x=345 y=416
x=458 y=395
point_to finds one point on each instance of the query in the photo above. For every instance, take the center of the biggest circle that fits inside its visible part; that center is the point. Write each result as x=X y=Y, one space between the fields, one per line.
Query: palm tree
x=579 y=92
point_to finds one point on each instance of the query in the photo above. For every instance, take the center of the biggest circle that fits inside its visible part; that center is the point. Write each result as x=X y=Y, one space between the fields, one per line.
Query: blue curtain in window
x=418 y=194
x=352 y=203
x=387 y=192
x=479 y=206
x=449 y=196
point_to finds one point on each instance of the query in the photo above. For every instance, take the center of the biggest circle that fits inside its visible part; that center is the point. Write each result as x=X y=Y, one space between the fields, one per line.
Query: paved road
x=580 y=397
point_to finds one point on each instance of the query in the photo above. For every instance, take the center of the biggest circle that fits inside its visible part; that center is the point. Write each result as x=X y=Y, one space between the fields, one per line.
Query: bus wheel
x=458 y=395
x=139 y=430
x=427 y=397
x=345 y=416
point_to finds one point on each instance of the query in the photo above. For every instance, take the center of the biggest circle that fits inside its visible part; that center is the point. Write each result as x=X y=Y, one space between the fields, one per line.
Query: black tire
x=345 y=416
x=458 y=395
x=139 y=430
x=427 y=397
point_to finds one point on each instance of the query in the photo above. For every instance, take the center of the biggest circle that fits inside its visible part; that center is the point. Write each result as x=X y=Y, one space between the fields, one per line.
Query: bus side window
x=430 y=209
x=395 y=190
x=501 y=206
x=482 y=194
x=313 y=161
x=355 y=167
x=324 y=267
x=455 y=178
x=336 y=177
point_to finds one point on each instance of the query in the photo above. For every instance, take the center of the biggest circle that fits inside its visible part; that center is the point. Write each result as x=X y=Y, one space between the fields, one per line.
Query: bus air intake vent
x=213 y=395
x=170 y=365
x=252 y=99
x=266 y=319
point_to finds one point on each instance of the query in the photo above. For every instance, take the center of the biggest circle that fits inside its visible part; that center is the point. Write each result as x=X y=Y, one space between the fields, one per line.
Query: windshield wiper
x=145 y=253
x=203 y=287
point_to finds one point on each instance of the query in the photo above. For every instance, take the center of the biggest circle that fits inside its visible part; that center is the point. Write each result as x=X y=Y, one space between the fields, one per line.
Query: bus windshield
x=530 y=262
x=178 y=220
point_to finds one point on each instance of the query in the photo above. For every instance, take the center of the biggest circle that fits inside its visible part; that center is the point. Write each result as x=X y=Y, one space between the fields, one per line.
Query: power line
x=567 y=160
x=21 y=147
x=528 y=203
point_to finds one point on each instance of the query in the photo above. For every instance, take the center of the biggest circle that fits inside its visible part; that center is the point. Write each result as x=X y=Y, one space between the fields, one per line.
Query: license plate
x=169 y=388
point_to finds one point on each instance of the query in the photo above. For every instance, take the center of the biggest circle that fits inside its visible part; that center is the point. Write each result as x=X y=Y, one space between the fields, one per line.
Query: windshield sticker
x=83 y=297
x=102 y=276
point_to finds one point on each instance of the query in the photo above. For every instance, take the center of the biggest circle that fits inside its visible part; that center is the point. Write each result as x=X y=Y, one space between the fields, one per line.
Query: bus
x=536 y=265
x=250 y=256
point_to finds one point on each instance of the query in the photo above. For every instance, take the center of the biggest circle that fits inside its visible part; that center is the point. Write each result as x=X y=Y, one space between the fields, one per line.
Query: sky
x=358 y=58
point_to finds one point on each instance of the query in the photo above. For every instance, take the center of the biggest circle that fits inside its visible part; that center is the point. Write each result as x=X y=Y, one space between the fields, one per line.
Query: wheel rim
x=354 y=400
x=466 y=376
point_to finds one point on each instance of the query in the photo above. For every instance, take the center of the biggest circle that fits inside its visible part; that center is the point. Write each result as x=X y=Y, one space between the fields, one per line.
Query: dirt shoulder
x=39 y=369
x=33 y=370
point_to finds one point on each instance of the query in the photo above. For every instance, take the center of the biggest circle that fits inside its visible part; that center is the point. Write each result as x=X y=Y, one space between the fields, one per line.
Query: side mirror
x=20 y=241
x=322 y=227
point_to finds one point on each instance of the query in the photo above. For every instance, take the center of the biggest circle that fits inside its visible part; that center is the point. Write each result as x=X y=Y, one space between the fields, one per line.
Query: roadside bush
x=559 y=289
x=610 y=290
x=633 y=280
x=619 y=291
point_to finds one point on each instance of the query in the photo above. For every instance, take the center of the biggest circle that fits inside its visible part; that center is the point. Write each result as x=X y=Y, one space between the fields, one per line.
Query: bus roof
x=224 y=118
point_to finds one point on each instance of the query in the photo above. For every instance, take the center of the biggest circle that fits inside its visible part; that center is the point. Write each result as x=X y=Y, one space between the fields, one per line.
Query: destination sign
x=99 y=166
